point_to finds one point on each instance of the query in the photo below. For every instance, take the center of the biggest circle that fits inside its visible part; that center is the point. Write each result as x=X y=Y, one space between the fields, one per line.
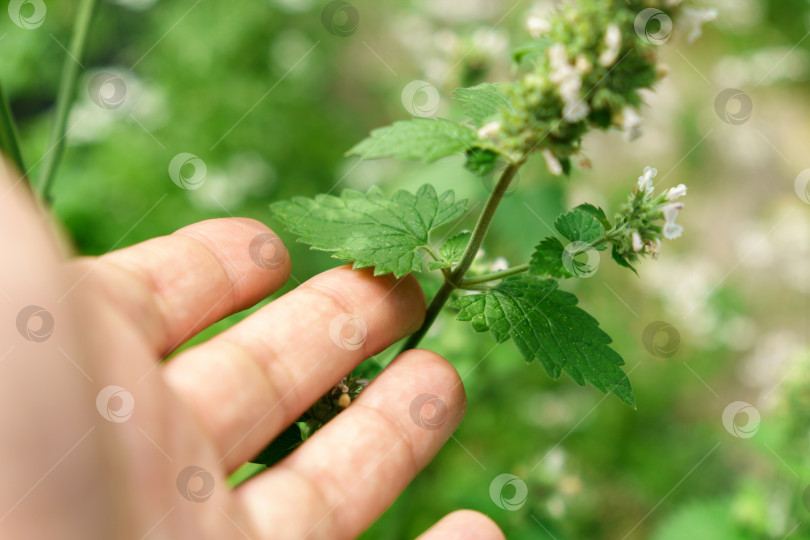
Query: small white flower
x=569 y=84
x=631 y=124
x=645 y=180
x=613 y=44
x=583 y=64
x=537 y=26
x=557 y=56
x=637 y=243
x=671 y=229
x=677 y=192
x=499 y=264
x=553 y=164
x=671 y=211
x=695 y=19
x=576 y=112
x=489 y=131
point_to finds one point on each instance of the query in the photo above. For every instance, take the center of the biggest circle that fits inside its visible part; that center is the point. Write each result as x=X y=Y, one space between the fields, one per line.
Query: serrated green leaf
x=371 y=228
x=424 y=139
x=596 y=212
x=451 y=251
x=481 y=102
x=579 y=225
x=547 y=259
x=621 y=260
x=546 y=324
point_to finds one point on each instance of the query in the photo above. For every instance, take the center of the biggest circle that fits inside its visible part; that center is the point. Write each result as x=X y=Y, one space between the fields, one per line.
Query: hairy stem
x=453 y=280
x=8 y=134
x=430 y=316
x=492 y=276
x=484 y=221
x=65 y=95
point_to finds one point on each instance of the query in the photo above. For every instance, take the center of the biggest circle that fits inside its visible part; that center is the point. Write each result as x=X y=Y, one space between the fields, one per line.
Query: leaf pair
x=545 y=323
x=584 y=227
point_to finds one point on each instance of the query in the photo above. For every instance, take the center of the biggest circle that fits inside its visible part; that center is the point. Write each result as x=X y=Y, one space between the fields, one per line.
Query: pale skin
x=68 y=472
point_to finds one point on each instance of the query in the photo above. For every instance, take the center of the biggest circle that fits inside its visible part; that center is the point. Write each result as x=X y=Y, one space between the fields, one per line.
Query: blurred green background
x=270 y=97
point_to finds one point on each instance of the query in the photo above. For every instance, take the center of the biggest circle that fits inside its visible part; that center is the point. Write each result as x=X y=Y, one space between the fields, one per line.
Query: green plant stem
x=492 y=276
x=453 y=280
x=65 y=95
x=484 y=221
x=9 y=142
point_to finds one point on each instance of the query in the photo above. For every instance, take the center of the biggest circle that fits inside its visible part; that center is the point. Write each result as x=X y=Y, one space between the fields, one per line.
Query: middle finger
x=250 y=382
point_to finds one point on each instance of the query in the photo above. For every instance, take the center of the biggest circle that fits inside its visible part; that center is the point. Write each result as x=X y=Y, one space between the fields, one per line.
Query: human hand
x=149 y=459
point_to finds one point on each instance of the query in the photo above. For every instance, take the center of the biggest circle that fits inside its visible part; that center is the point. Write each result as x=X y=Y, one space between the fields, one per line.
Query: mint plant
x=582 y=70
